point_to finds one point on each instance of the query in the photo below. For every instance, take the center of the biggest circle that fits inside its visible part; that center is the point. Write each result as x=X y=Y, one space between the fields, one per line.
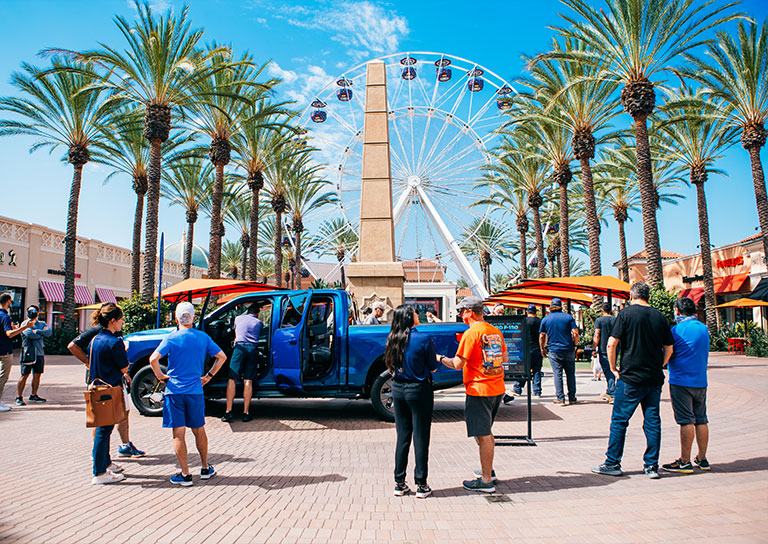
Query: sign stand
x=520 y=440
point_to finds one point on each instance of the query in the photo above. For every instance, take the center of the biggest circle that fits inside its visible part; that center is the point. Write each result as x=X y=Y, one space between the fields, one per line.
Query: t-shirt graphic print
x=493 y=350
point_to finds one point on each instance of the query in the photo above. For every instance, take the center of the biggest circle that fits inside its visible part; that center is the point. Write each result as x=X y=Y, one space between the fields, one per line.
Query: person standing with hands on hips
x=184 y=404
x=558 y=338
x=481 y=356
x=8 y=331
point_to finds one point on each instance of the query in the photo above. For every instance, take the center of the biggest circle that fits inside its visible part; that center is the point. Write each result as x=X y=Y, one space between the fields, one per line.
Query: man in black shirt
x=646 y=346
x=533 y=323
x=603 y=327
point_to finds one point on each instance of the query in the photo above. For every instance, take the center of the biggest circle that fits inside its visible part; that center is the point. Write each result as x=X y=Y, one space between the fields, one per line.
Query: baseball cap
x=470 y=303
x=531 y=308
x=185 y=313
x=379 y=305
x=556 y=302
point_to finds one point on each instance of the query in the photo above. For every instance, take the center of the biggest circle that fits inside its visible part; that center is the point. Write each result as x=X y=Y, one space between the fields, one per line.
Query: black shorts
x=245 y=361
x=689 y=404
x=36 y=367
x=479 y=413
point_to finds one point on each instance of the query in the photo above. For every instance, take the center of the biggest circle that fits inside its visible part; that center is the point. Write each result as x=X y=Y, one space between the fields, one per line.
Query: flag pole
x=160 y=278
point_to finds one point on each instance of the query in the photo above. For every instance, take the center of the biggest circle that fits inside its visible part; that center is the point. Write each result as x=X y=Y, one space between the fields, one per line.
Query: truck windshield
x=292 y=310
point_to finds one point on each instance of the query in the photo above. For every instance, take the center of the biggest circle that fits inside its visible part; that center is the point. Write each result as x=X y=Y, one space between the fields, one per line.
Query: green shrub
x=662 y=300
x=56 y=343
x=757 y=340
x=140 y=316
x=587 y=334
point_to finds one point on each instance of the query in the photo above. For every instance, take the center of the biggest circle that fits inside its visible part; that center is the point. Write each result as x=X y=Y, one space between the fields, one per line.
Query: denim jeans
x=101 y=458
x=626 y=399
x=564 y=360
x=610 y=379
x=536 y=359
x=413 y=403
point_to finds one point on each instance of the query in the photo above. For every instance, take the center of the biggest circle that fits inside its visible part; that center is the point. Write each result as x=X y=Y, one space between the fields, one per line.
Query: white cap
x=185 y=313
x=379 y=305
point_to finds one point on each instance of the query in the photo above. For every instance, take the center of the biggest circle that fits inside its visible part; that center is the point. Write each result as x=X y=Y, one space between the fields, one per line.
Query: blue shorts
x=184 y=411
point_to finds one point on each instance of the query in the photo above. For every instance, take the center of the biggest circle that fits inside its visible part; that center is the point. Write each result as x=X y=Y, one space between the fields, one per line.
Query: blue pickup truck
x=311 y=346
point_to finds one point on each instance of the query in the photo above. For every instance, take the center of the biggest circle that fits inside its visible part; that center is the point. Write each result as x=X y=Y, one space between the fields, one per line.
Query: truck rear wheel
x=143 y=386
x=381 y=396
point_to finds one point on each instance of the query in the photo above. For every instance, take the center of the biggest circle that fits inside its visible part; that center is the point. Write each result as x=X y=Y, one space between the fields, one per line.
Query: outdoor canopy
x=568 y=287
x=743 y=303
x=761 y=291
x=537 y=296
x=195 y=288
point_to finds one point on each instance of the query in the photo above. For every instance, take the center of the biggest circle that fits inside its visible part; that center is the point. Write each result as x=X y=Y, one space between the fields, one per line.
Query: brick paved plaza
x=321 y=471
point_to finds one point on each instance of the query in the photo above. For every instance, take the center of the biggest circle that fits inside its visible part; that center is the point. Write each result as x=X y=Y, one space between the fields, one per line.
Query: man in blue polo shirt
x=688 y=386
x=184 y=404
x=558 y=336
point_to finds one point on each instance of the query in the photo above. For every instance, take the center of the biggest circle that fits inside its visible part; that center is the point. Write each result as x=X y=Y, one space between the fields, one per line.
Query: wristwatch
x=209 y=374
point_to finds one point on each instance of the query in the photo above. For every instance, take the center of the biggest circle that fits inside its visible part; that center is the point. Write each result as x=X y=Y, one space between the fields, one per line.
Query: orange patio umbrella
x=743 y=303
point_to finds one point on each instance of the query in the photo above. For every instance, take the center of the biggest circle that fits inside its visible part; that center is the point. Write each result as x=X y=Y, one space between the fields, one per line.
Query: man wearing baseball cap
x=481 y=356
x=184 y=405
x=558 y=337
x=378 y=313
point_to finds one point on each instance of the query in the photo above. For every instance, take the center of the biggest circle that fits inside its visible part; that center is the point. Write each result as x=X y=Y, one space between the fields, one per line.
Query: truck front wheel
x=381 y=396
x=147 y=392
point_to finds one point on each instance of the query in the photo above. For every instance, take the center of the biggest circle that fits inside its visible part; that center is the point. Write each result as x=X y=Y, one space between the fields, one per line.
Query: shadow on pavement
x=271 y=482
x=539 y=484
x=742 y=465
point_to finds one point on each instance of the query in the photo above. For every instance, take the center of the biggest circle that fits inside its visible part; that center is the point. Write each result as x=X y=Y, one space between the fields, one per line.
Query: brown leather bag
x=104 y=405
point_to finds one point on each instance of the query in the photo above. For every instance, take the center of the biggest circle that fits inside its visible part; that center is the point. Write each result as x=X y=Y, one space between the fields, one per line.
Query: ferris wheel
x=444 y=112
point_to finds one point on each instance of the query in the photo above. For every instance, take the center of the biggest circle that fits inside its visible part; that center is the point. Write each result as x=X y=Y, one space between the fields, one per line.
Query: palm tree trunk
x=70 y=250
x=278 y=249
x=214 y=243
x=539 y=243
x=188 y=249
x=698 y=180
x=244 y=263
x=153 y=206
x=523 y=256
x=138 y=217
x=565 y=261
x=648 y=203
x=623 y=249
x=761 y=199
x=593 y=223
x=253 y=242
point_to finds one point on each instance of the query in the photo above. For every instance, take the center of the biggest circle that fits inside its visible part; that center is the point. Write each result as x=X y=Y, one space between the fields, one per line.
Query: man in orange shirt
x=481 y=355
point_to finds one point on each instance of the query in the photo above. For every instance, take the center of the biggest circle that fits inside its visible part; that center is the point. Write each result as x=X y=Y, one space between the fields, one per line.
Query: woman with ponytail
x=410 y=358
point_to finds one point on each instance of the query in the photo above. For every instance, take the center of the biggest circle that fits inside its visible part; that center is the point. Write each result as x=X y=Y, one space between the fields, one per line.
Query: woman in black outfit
x=410 y=358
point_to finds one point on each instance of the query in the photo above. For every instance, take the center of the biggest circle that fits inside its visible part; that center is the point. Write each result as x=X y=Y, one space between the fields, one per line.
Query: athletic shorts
x=245 y=361
x=689 y=404
x=479 y=413
x=184 y=411
x=36 y=367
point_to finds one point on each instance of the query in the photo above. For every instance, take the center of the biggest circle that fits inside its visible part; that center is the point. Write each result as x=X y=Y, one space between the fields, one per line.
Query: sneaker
x=35 y=398
x=114 y=469
x=402 y=489
x=559 y=402
x=605 y=396
x=574 y=401
x=207 y=473
x=479 y=485
x=607 y=470
x=507 y=399
x=678 y=466
x=538 y=396
x=4 y=407
x=703 y=464
x=184 y=480
x=479 y=474
x=652 y=472
x=227 y=417
x=108 y=478
x=423 y=491
x=129 y=450
x=20 y=401
x=610 y=400
x=247 y=418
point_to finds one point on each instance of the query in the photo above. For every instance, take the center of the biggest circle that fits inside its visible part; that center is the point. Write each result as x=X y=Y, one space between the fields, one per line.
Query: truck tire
x=143 y=385
x=381 y=396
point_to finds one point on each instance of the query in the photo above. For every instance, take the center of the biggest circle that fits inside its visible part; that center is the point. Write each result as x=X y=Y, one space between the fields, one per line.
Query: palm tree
x=618 y=189
x=238 y=214
x=632 y=41
x=485 y=239
x=232 y=195
x=335 y=237
x=126 y=151
x=158 y=71
x=230 y=258
x=53 y=109
x=188 y=184
x=696 y=137
x=737 y=73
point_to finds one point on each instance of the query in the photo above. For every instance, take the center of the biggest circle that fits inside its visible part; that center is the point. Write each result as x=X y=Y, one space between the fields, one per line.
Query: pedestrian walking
x=109 y=365
x=533 y=324
x=481 y=356
x=410 y=358
x=688 y=386
x=184 y=404
x=80 y=348
x=32 y=357
x=603 y=328
x=245 y=360
x=558 y=338
x=646 y=346
x=8 y=331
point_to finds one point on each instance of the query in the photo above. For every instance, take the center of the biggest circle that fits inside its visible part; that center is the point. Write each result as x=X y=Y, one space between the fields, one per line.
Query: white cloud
x=261 y=21
x=274 y=70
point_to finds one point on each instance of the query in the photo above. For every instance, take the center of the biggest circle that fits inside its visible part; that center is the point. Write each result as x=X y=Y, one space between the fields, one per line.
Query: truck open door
x=288 y=342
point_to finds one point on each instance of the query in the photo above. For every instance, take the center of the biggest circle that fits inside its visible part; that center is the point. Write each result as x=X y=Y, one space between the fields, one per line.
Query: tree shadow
x=267 y=482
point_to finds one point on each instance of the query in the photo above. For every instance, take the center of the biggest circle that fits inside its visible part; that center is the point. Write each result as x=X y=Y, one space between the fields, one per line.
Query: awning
x=106 y=295
x=53 y=291
x=761 y=291
x=593 y=285
x=724 y=284
x=694 y=294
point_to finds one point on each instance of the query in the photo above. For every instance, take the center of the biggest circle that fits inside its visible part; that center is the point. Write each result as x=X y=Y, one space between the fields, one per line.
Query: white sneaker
x=4 y=407
x=108 y=478
x=114 y=469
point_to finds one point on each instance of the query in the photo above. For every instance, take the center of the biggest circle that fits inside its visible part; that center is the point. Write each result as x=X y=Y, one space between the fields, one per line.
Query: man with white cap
x=376 y=315
x=184 y=404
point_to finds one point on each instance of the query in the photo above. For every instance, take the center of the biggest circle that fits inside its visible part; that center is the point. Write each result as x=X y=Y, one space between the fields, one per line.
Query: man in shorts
x=8 y=331
x=184 y=404
x=481 y=356
x=688 y=386
x=32 y=357
x=245 y=360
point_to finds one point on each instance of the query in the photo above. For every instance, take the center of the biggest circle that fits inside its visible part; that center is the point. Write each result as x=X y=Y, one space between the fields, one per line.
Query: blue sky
x=308 y=44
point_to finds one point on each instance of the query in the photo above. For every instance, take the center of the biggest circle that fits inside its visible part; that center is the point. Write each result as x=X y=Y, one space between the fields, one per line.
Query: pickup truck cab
x=310 y=346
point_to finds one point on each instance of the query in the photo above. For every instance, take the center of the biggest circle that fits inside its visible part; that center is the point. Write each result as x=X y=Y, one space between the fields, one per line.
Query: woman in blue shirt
x=109 y=364
x=410 y=358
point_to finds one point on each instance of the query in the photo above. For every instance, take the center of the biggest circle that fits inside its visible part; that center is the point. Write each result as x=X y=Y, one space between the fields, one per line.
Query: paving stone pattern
x=321 y=471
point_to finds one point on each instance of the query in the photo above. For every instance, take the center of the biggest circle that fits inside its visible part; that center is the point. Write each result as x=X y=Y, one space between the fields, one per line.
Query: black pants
x=413 y=404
